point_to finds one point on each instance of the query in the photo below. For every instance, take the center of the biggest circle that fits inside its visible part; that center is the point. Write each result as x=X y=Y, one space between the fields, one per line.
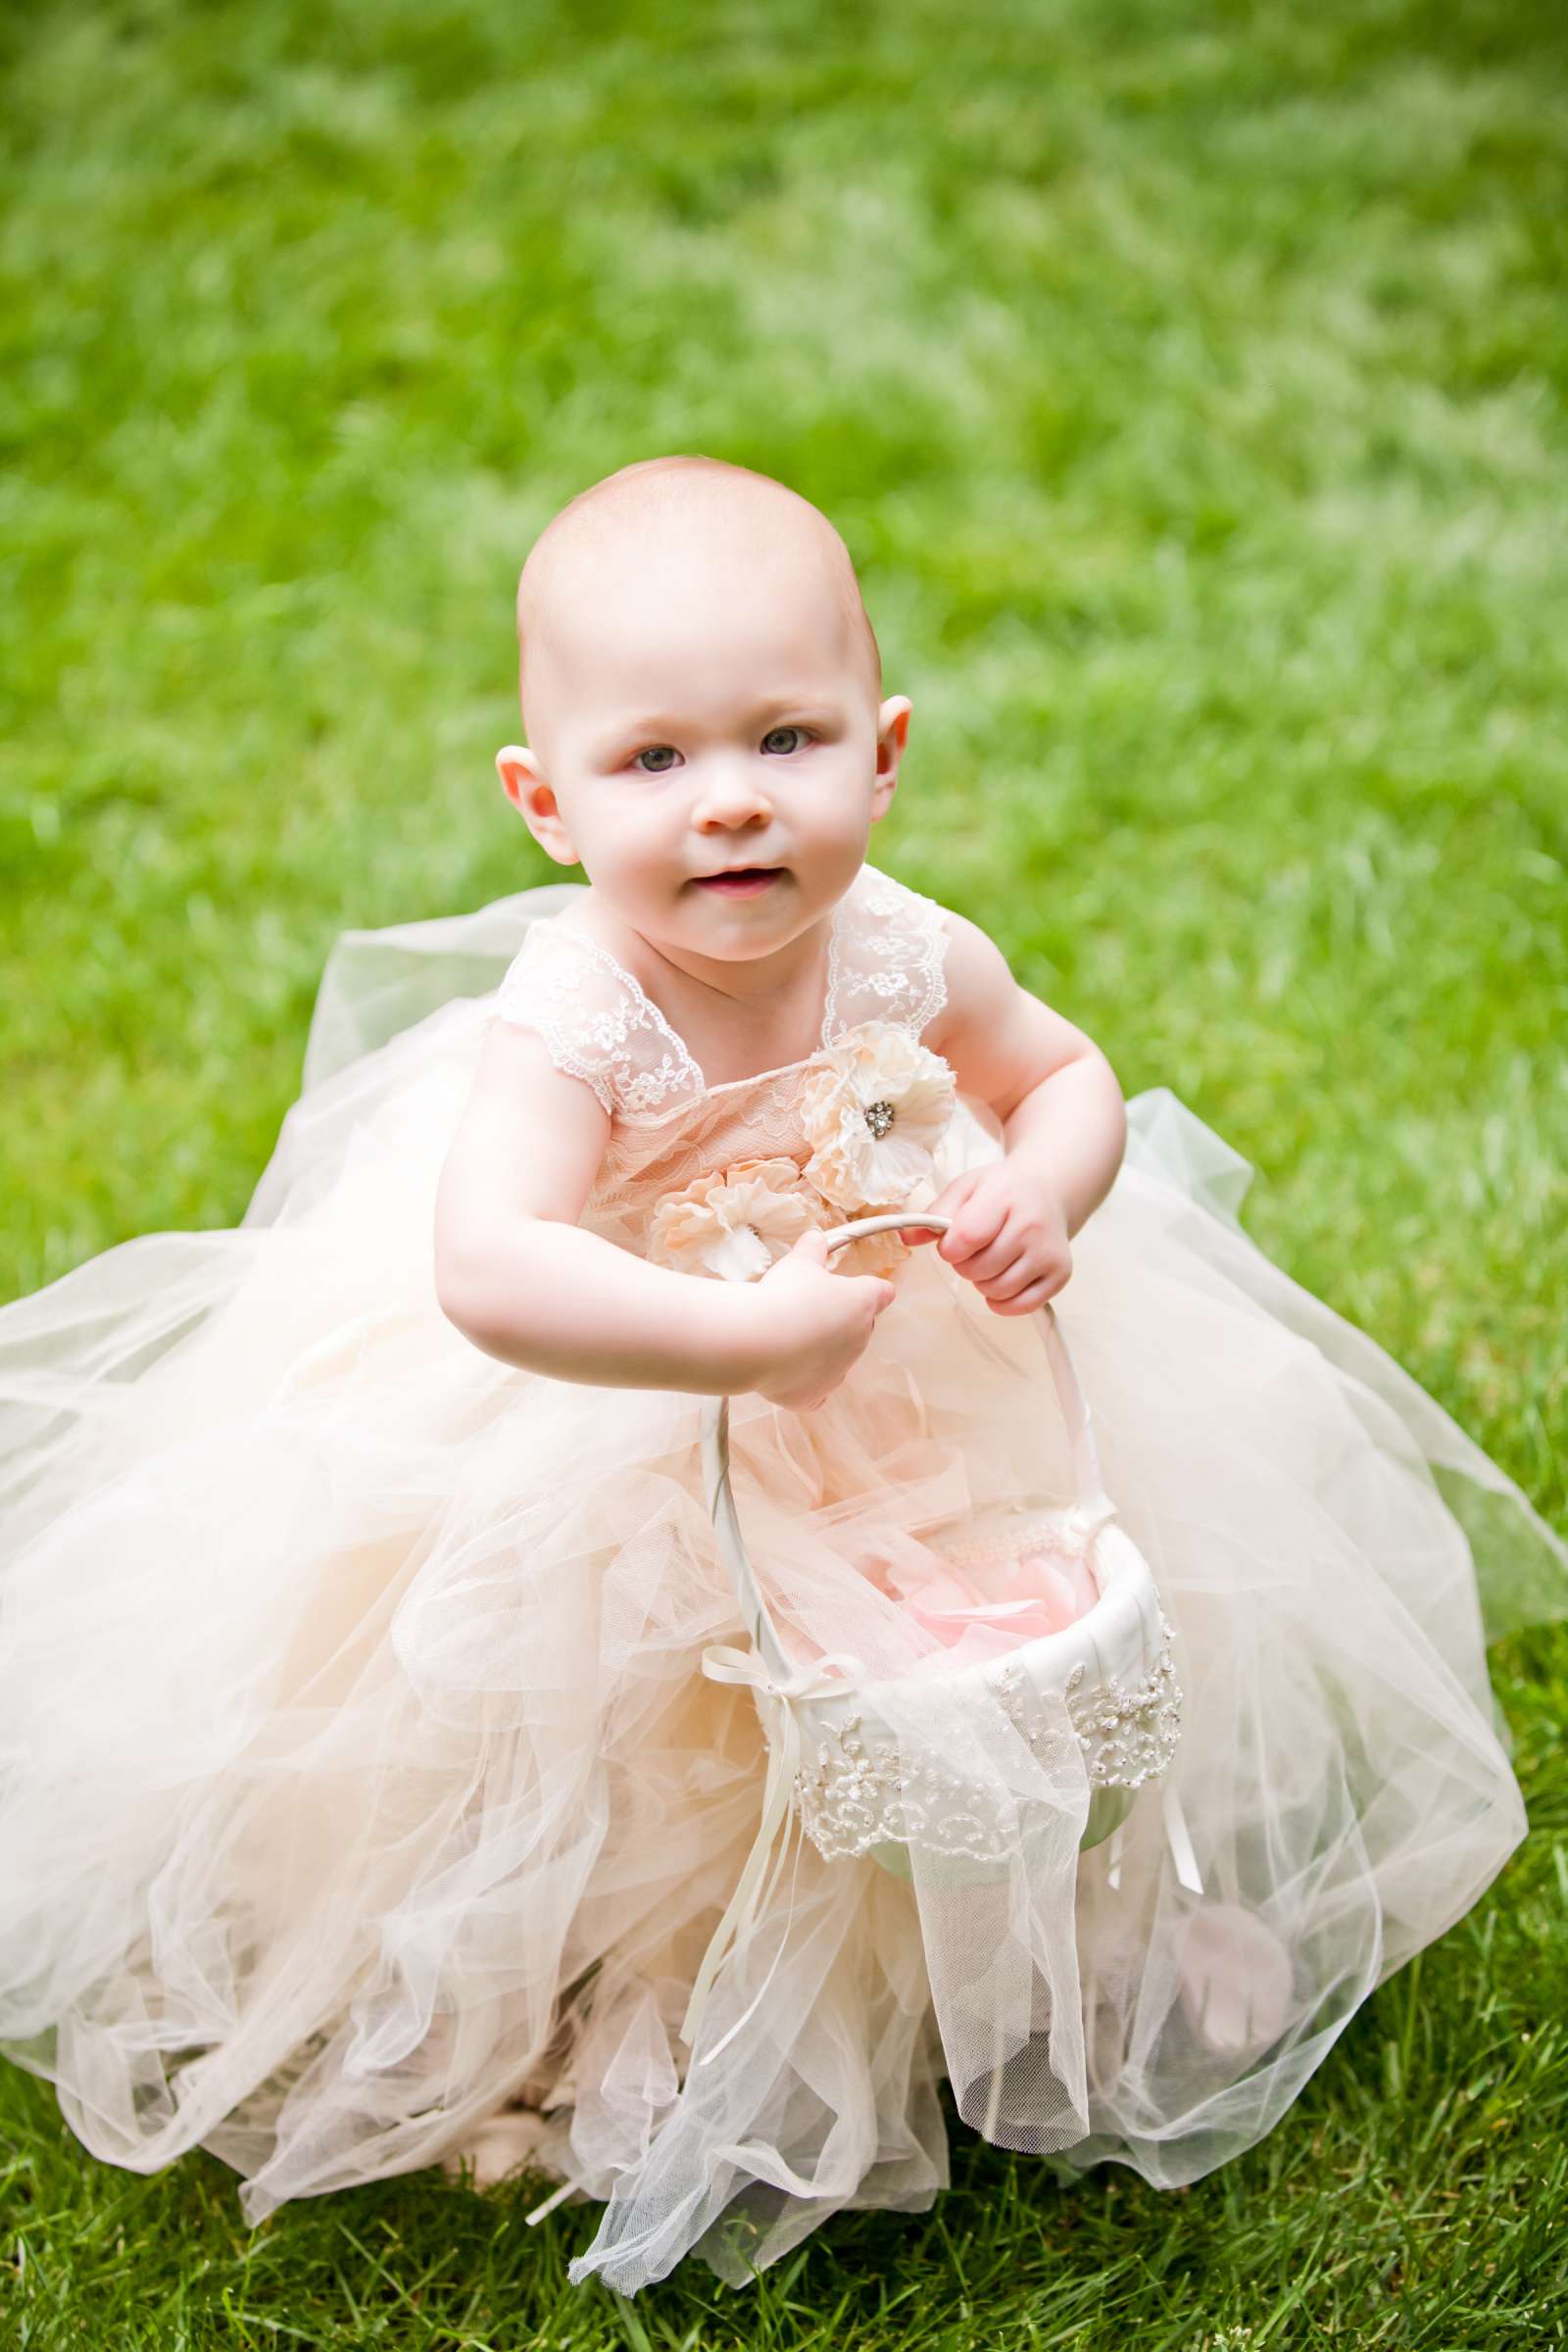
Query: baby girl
x=702 y=695
x=379 y=1759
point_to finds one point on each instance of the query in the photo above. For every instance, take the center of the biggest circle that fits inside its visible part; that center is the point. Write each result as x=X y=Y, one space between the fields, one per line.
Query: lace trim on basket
x=852 y=1797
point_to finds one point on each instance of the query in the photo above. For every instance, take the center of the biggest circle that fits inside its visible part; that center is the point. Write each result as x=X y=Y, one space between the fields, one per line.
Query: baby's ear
x=892 y=734
x=517 y=770
x=528 y=787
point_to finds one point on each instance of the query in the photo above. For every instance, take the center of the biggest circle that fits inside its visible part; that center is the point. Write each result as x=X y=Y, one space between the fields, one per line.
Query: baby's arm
x=1063 y=1123
x=523 y=1280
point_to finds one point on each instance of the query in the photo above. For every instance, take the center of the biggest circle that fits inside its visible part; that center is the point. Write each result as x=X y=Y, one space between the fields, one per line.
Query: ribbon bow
x=722 y=1663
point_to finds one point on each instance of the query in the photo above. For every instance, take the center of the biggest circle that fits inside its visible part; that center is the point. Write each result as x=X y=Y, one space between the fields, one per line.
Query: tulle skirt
x=357 y=1774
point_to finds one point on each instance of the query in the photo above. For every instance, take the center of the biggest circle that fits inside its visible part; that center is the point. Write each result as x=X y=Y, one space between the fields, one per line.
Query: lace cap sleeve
x=597 y=1022
x=891 y=962
x=556 y=986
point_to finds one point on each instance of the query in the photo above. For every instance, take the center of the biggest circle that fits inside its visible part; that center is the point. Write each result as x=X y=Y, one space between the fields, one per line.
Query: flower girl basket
x=846 y=1753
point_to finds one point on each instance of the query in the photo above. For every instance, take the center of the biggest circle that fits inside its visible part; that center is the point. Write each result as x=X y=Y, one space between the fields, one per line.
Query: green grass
x=1189 y=381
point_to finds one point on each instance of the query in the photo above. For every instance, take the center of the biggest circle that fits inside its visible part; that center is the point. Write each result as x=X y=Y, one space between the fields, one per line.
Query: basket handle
x=714 y=1437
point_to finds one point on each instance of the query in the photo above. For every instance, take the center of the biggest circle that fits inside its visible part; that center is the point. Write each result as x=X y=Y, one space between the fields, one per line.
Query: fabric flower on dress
x=874 y=1108
x=734 y=1221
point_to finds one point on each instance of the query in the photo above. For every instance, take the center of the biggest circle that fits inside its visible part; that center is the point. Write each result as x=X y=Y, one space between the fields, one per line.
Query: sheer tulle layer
x=356 y=1770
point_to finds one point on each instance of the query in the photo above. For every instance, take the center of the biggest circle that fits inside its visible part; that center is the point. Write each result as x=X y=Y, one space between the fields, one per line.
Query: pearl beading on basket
x=1129 y=1732
x=1067 y=1533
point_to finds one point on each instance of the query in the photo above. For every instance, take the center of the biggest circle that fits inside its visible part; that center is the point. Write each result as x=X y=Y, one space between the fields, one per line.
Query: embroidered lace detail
x=853 y=1796
x=888 y=966
x=851 y=1799
x=1128 y=1730
x=597 y=1020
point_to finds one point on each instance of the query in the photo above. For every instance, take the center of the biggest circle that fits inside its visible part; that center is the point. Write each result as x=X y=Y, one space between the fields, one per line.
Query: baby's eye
x=662 y=754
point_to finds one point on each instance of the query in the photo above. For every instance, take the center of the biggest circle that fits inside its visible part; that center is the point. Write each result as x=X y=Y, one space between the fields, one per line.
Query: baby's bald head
x=652 y=531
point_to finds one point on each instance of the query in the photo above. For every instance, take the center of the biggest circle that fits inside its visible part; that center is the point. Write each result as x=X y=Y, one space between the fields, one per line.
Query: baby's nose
x=731 y=788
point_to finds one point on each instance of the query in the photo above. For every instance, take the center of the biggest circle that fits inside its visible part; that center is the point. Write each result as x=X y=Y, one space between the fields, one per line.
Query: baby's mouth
x=742 y=882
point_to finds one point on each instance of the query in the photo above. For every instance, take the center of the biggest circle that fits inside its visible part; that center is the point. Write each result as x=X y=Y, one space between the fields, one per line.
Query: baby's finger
x=1008 y=1279
x=946 y=1204
x=1025 y=1269
x=982 y=1249
x=1024 y=1305
x=960 y=1241
x=1035 y=1293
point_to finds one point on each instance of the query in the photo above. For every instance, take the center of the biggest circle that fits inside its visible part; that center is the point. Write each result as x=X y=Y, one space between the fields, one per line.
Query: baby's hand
x=812 y=1323
x=1007 y=1235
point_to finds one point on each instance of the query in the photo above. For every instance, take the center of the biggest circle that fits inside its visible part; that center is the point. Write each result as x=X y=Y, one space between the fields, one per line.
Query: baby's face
x=696 y=713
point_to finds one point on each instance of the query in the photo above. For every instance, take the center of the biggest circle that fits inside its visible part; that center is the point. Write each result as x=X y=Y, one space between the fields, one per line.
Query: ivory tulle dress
x=356 y=1770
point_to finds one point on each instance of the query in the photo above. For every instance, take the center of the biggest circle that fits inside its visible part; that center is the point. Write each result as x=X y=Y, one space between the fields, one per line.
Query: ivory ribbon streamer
x=550 y=2203
x=721 y=1663
x=1177 y=1837
x=1179 y=1841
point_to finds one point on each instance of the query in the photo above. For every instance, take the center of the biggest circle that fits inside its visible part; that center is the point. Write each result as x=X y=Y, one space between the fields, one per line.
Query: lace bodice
x=667 y=1125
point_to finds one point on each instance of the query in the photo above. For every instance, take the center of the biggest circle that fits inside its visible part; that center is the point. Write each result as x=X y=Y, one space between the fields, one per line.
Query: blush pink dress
x=356 y=1773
